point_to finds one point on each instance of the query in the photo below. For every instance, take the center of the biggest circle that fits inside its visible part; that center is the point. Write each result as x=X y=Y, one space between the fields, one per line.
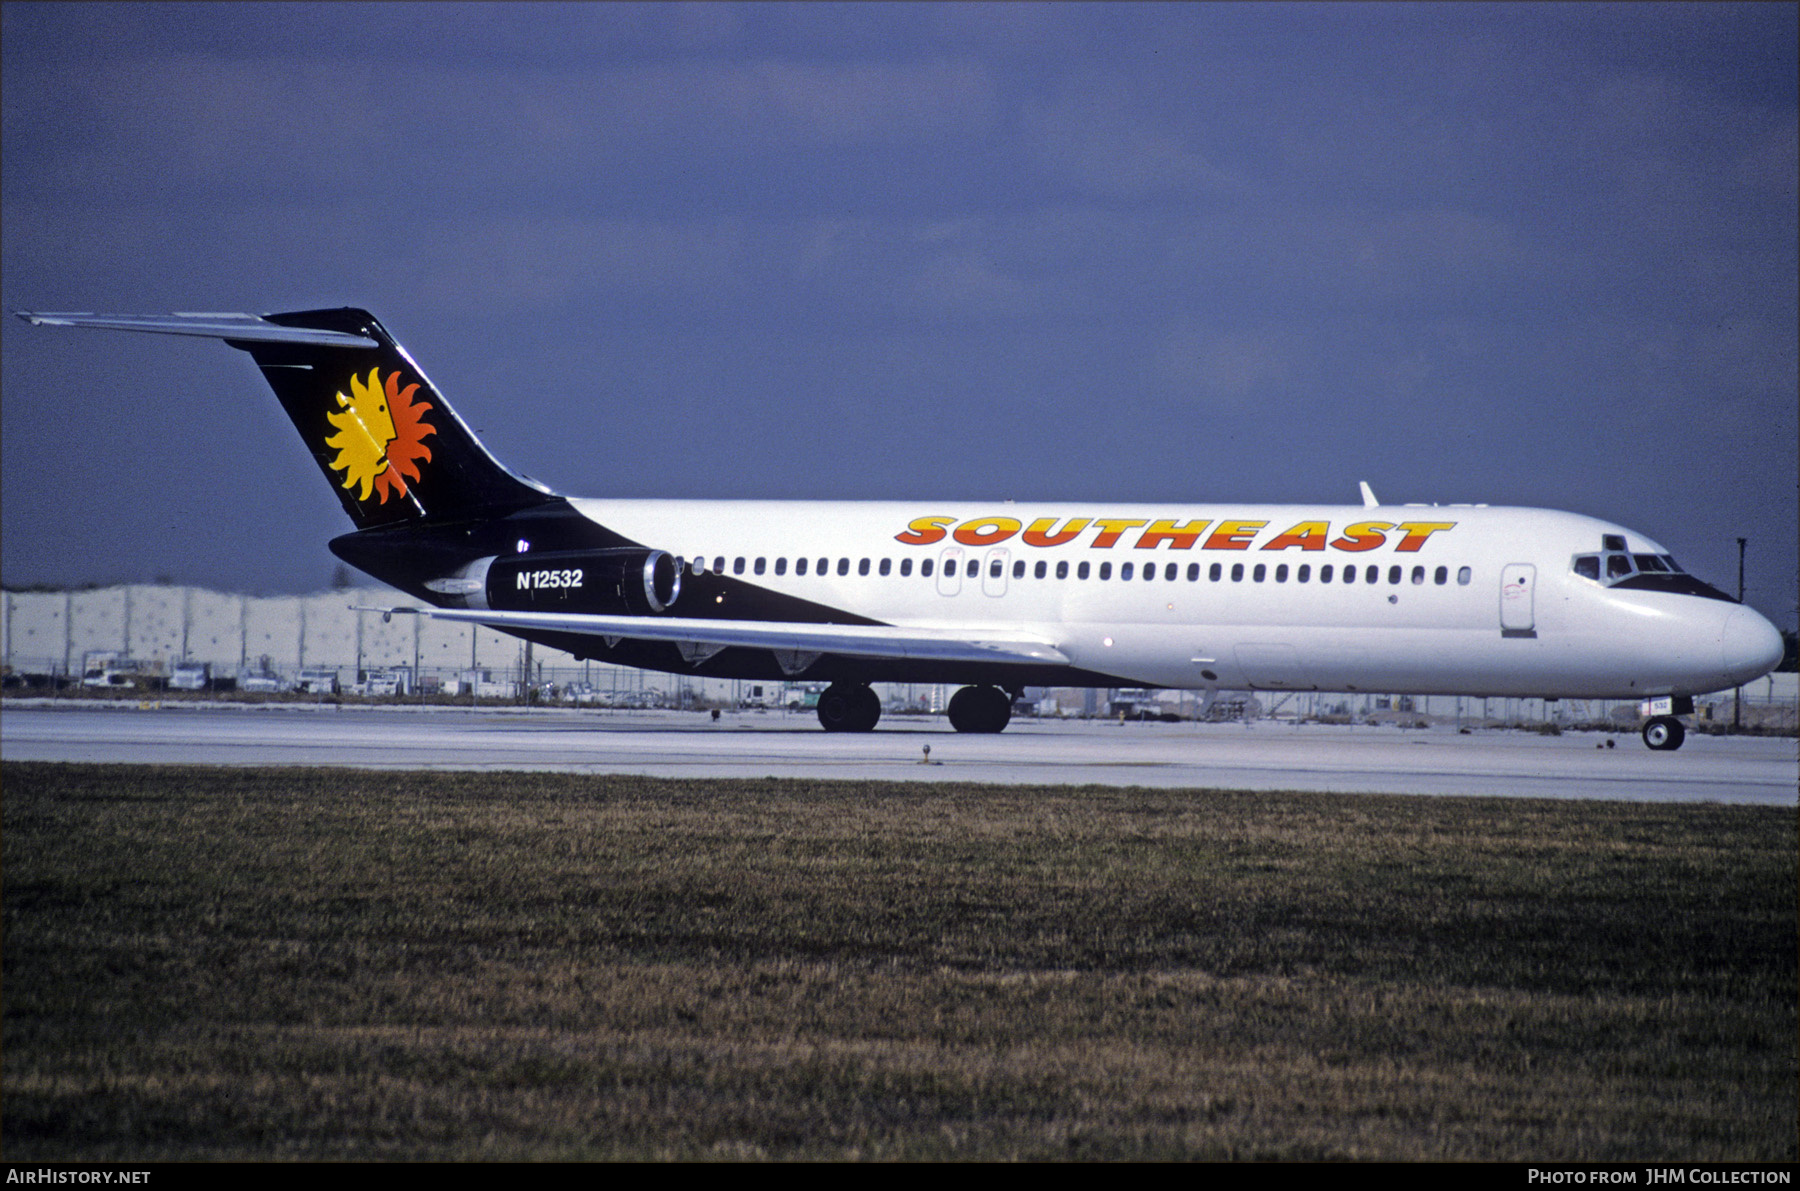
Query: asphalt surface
x=1265 y=755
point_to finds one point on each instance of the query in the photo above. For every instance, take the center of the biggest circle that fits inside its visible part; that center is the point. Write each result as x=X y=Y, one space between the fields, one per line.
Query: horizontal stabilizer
x=246 y=328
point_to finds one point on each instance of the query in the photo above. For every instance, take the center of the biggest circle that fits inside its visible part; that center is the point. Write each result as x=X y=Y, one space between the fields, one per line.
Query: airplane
x=990 y=597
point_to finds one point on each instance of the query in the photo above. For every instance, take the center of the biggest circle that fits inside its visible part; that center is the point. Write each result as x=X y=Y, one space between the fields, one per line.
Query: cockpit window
x=1646 y=572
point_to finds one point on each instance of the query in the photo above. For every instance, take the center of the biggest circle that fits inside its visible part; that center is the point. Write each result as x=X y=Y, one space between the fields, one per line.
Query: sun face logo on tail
x=380 y=435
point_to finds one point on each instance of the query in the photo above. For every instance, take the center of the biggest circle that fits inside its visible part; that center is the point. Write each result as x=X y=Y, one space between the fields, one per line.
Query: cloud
x=312 y=127
x=1228 y=367
x=1101 y=139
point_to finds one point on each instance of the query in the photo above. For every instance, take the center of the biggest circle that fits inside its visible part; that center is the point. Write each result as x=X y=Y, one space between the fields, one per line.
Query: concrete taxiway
x=1266 y=755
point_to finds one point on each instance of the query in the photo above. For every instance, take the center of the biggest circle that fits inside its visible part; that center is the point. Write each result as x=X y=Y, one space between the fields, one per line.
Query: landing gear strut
x=1664 y=733
x=980 y=709
x=849 y=707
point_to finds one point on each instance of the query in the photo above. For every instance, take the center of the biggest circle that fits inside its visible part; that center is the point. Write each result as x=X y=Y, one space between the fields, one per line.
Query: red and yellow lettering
x=1111 y=529
x=1039 y=534
x=1364 y=535
x=1308 y=535
x=1233 y=535
x=985 y=531
x=923 y=531
x=1179 y=537
x=1417 y=531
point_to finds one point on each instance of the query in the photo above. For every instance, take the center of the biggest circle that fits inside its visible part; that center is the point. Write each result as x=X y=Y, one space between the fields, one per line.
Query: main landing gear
x=854 y=707
x=980 y=709
x=1664 y=733
x=849 y=707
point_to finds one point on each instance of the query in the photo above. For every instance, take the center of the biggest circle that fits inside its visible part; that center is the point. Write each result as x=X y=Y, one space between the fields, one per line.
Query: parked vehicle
x=486 y=687
x=109 y=669
x=397 y=681
x=318 y=682
x=264 y=682
x=190 y=676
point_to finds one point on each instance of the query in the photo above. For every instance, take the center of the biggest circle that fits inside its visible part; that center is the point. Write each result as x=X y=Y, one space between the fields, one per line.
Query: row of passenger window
x=1170 y=572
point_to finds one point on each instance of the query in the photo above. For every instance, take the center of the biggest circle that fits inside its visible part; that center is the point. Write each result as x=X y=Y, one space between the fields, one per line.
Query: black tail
x=387 y=440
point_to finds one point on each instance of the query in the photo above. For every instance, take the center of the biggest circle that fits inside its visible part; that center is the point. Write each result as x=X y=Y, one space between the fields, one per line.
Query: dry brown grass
x=209 y=963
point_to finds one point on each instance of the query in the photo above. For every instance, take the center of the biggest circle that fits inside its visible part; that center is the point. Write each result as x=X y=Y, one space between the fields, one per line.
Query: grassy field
x=307 y=964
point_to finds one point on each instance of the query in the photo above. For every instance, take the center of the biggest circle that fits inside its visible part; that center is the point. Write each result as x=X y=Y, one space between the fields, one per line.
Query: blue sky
x=1514 y=254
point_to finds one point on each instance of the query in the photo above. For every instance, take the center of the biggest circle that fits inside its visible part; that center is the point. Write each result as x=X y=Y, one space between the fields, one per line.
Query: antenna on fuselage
x=1369 y=501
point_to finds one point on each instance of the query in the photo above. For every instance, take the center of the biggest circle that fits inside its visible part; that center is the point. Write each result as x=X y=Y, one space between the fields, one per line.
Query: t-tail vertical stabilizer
x=391 y=446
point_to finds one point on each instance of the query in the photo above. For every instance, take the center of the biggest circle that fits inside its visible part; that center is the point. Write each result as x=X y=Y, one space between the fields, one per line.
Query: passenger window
x=1213 y=574
x=1303 y=574
x=759 y=566
x=925 y=569
x=995 y=567
x=886 y=565
x=1463 y=576
x=862 y=568
x=1442 y=576
x=974 y=568
x=1258 y=573
x=781 y=566
x=1124 y=572
x=1019 y=569
x=1281 y=573
x=799 y=567
x=1038 y=571
x=1170 y=571
x=1393 y=574
x=1418 y=576
x=843 y=566
x=905 y=567
x=1237 y=572
x=1106 y=570
x=1372 y=575
x=1193 y=572
x=1062 y=570
x=1081 y=572
x=1349 y=574
x=719 y=565
x=737 y=566
x=1325 y=573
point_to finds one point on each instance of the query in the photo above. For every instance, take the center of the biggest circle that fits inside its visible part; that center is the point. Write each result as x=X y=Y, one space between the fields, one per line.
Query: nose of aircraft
x=1749 y=647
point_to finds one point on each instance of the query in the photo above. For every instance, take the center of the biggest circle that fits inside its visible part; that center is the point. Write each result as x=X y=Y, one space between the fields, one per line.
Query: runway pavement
x=1266 y=755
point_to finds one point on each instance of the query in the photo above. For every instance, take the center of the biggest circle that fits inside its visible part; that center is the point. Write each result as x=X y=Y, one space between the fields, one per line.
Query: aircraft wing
x=857 y=640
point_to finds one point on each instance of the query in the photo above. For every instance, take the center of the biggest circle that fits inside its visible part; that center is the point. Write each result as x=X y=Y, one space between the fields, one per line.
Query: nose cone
x=1750 y=646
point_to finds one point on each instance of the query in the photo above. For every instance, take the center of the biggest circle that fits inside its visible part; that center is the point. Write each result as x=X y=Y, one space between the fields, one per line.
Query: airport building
x=155 y=636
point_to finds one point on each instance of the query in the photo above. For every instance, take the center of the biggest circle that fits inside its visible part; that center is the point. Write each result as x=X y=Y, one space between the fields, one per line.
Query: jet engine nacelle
x=608 y=582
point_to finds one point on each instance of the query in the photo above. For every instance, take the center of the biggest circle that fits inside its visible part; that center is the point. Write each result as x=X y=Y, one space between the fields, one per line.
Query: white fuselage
x=1445 y=599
